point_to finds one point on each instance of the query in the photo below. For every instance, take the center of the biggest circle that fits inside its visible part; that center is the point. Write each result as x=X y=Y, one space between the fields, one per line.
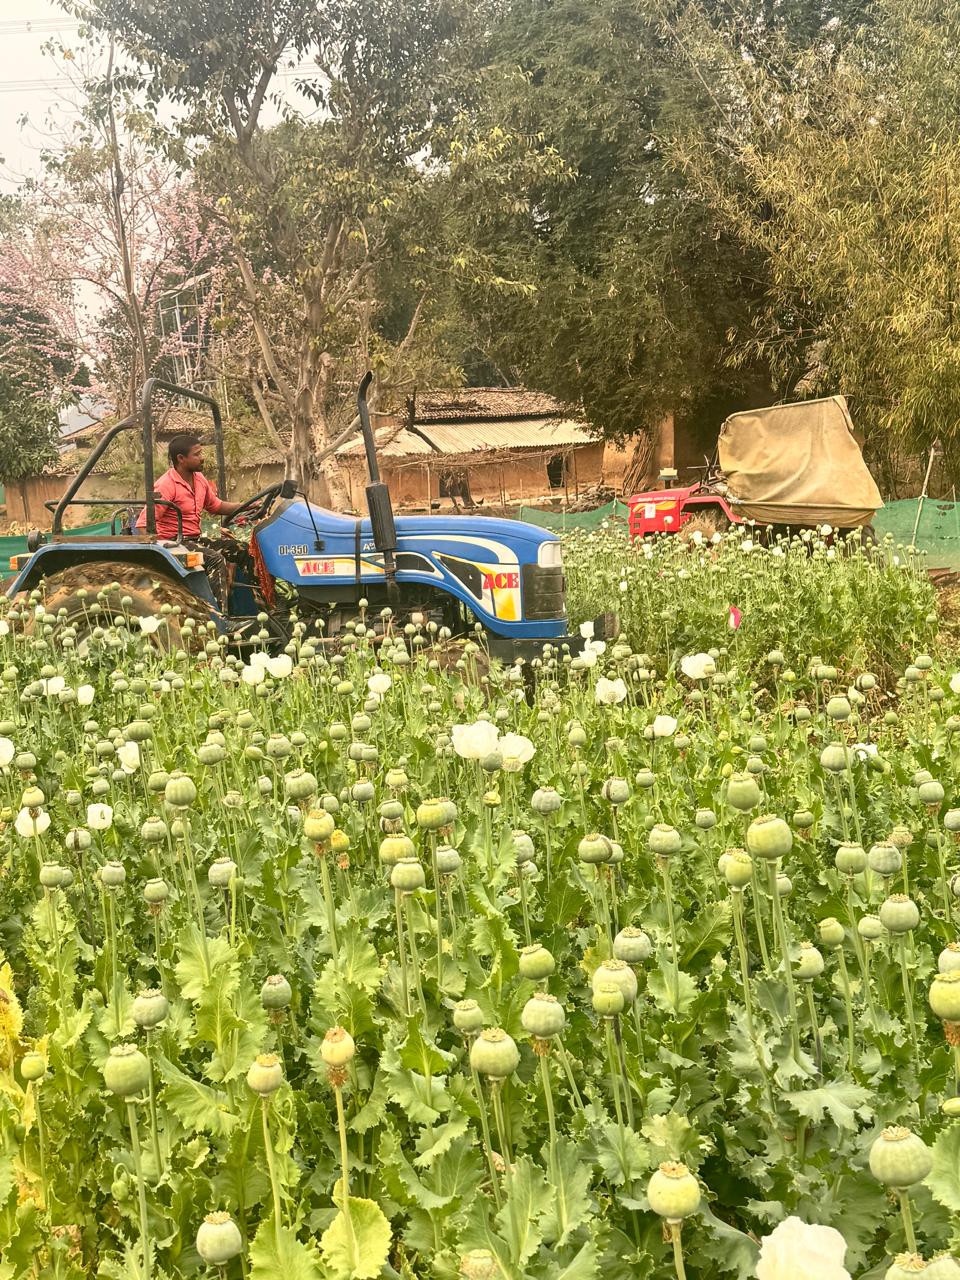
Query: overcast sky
x=32 y=84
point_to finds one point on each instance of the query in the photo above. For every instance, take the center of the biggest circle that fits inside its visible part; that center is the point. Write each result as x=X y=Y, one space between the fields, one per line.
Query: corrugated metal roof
x=477 y=437
x=473 y=403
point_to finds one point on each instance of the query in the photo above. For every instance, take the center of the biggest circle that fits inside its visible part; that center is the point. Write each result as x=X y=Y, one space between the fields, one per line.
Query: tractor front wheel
x=92 y=595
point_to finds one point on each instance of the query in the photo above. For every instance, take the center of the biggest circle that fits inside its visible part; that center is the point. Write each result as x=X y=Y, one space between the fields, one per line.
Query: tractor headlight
x=550 y=554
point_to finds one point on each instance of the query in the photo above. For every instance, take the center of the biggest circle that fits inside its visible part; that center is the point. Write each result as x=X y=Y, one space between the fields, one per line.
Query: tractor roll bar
x=151 y=386
x=95 y=455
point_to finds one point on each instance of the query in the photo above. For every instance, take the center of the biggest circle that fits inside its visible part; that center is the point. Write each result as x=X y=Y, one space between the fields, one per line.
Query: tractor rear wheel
x=105 y=585
x=707 y=522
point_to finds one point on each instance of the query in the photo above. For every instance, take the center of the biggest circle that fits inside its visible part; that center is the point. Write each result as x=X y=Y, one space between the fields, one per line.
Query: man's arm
x=216 y=506
x=228 y=508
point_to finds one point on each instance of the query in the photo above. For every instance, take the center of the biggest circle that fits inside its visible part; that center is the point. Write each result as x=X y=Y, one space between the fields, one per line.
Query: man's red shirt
x=191 y=499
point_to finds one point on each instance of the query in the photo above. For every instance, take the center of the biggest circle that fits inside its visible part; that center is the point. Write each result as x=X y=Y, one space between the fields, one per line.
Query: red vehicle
x=790 y=466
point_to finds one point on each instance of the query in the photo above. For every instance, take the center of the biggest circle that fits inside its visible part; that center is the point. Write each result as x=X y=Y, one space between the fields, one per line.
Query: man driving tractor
x=190 y=491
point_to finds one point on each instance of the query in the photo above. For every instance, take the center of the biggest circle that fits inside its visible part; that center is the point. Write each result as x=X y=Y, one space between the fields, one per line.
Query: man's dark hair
x=181 y=445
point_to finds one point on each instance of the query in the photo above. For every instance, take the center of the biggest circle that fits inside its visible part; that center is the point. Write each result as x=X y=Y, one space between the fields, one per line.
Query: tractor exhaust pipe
x=382 y=522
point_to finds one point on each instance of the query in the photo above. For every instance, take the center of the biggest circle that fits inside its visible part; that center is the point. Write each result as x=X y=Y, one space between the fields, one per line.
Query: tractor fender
x=698 y=501
x=54 y=557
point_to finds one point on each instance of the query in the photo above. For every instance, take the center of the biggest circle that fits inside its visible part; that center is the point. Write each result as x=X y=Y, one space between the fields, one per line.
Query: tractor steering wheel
x=256 y=507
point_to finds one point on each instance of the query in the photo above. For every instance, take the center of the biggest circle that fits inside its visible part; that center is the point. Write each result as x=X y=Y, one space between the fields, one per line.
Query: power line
x=38 y=26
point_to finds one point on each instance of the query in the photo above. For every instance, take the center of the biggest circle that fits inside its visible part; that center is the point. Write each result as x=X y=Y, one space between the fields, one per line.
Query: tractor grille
x=544 y=593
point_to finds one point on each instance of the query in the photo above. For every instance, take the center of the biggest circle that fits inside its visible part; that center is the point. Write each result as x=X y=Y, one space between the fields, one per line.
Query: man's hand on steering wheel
x=256 y=507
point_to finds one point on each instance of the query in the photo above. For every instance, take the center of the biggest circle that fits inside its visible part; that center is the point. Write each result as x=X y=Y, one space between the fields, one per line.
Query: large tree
x=328 y=205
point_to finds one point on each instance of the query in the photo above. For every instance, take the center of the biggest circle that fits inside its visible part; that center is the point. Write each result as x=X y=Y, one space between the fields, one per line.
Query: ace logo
x=500 y=581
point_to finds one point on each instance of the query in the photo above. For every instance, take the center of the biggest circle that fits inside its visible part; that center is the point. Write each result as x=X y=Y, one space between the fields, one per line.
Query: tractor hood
x=294 y=513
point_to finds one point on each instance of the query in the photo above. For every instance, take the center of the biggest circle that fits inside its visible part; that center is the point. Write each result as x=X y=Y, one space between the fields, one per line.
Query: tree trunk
x=310 y=431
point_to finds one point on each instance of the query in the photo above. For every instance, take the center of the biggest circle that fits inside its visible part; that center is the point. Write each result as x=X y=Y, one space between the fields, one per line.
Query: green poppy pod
x=907 y=1266
x=835 y=757
x=99 y=787
x=154 y=830
x=775 y=658
x=885 y=859
x=769 y=837
x=949 y=959
x=645 y=779
x=278 y=746
x=620 y=974
x=337 y=1048
x=594 y=849
x=494 y=1054
x=616 y=791
x=870 y=928
x=33 y=798
x=850 y=859
x=543 y=1016
x=536 y=962
x=265 y=1075
x=362 y=791
x=838 y=708
x=25 y=762
x=33 y=1067
x=150 y=1007
x=890 y=718
x=138 y=731
x=673 y=1192
x=361 y=723
x=407 y=875
x=156 y=891
x=951 y=821
x=900 y=1158
x=899 y=914
x=922 y=775
x=218 y=1239
x=211 y=754
x=755 y=766
x=607 y=1000
x=930 y=793
x=743 y=792
x=664 y=841
x=449 y=861
x=523 y=848
x=809 y=963
x=784 y=886
x=180 y=791
x=832 y=932
x=126 y=1071
x=802 y=714
x=577 y=735
x=276 y=992
x=632 y=945
x=736 y=867
x=757 y=744
x=338 y=732
x=467 y=1017
x=393 y=848
x=435 y=814
x=900 y=838
x=299 y=785
x=51 y=875
x=318 y=826
x=944 y=996
x=866 y=681
x=705 y=819
x=396 y=779
x=545 y=800
x=113 y=874
x=390 y=809
x=825 y=672
x=220 y=872
x=923 y=662
x=803 y=819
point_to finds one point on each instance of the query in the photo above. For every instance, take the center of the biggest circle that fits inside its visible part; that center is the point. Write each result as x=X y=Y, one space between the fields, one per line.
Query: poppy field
x=390 y=961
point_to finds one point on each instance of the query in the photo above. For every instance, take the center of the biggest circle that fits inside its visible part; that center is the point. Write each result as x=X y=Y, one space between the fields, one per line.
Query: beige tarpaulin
x=798 y=464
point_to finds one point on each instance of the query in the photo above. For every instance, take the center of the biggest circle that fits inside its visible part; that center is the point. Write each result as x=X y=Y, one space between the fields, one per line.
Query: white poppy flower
x=825 y=532
x=4 y=627
x=586 y=630
x=698 y=666
x=864 y=749
x=516 y=751
x=29 y=826
x=664 y=726
x=955 y=683
x=280 y=666
x=696 y=537
x=795 y=1250
x=587 y=657
x=253 y=675
x=150 y=625
x=85 y=695
x=474 y=741
x=99 y=817
x=610 y=692
x=379 y=683
x=129 y=756
x=53 y=686
x=624 y=585
x=258 y=658
x=7 y=752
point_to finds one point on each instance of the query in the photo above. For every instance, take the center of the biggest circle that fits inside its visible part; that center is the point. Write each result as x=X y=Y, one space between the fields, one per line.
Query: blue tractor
x=455 y=570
